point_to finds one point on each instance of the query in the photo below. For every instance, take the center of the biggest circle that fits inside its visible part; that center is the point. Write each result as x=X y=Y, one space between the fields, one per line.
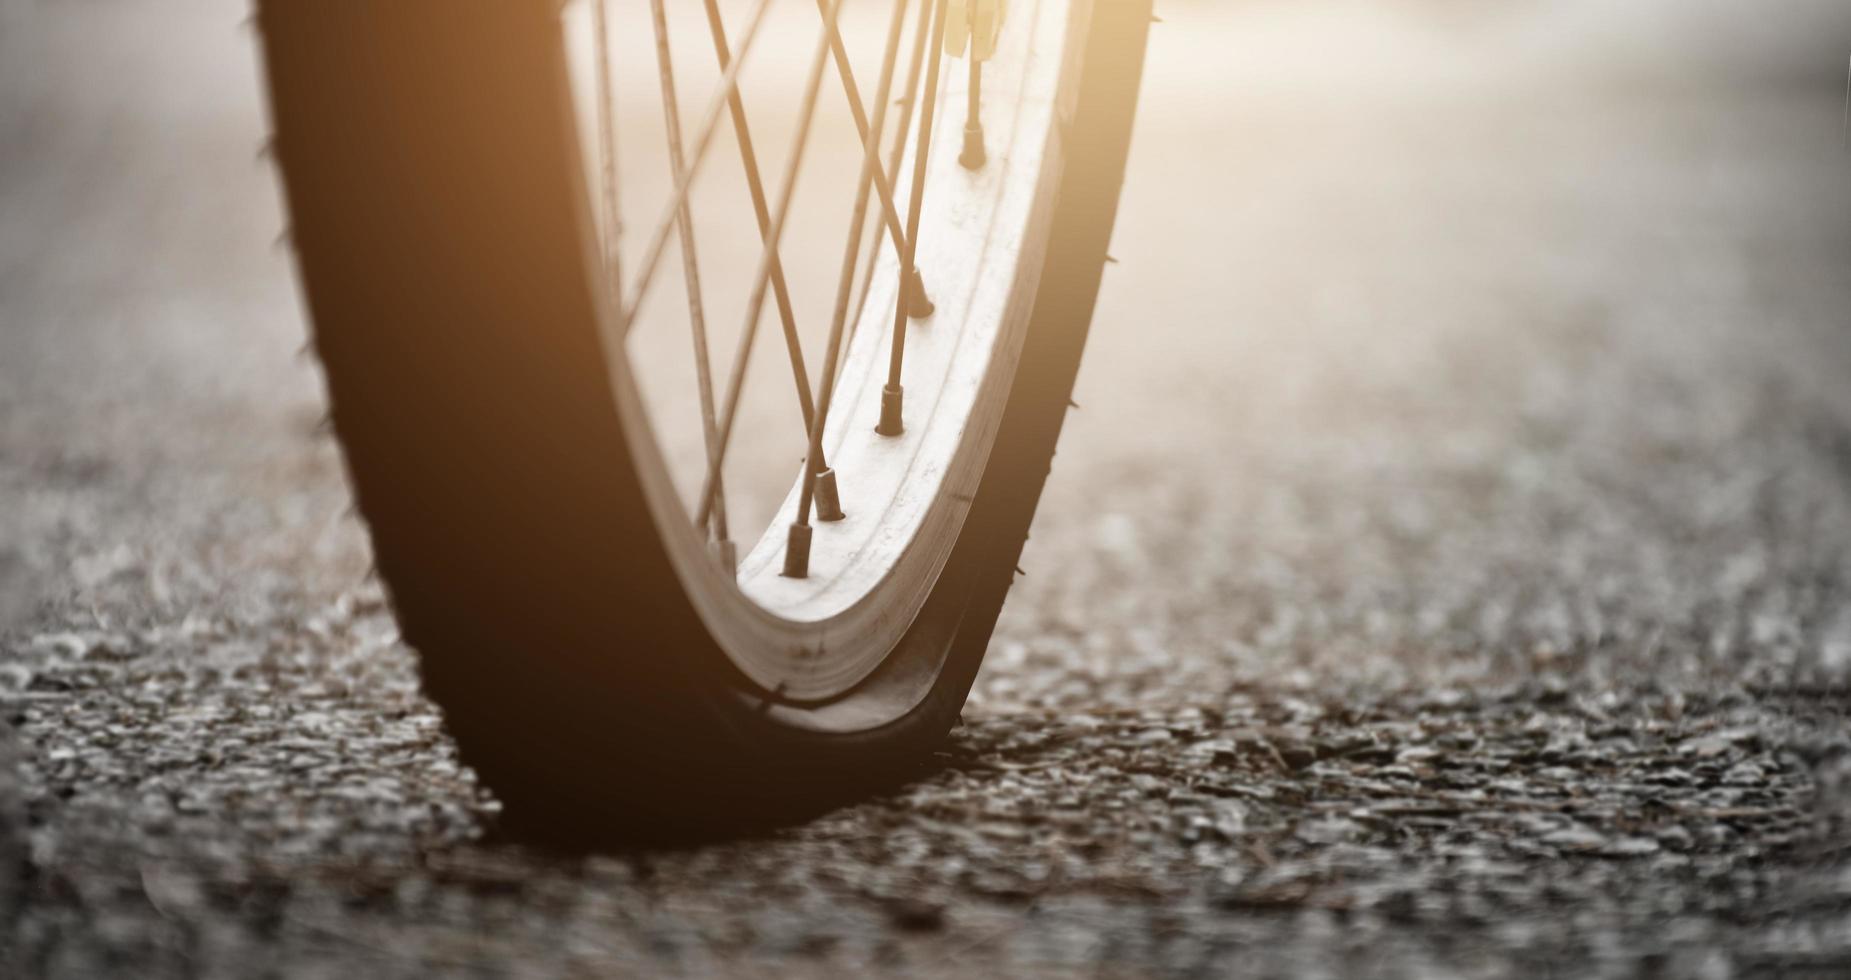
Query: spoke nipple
x=828 y=498
x=726 y=553
x=797 y=551
x=918 y=304
x=891 y=425
x=973 y=157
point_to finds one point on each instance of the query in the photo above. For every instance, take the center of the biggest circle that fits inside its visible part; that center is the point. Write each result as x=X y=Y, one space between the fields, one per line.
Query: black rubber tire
x=436 y=215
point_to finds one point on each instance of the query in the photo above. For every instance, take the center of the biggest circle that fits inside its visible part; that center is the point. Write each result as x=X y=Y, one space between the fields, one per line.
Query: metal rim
x=980 y=234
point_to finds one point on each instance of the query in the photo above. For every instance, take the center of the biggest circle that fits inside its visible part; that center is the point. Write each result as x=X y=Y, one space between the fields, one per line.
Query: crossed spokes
x=719 y=407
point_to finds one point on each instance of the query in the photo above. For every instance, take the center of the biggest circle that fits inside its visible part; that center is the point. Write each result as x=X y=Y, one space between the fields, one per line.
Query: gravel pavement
x=1448 y=573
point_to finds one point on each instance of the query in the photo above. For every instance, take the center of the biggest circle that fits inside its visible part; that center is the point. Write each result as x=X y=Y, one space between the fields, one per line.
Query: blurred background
x=1450 y=345
x=1493 y=271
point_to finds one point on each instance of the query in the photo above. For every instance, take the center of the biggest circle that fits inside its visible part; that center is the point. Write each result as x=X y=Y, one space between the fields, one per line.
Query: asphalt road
x=1448 y=574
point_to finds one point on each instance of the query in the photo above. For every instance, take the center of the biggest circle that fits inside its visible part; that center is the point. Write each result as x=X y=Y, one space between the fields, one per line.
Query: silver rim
x=811 y=630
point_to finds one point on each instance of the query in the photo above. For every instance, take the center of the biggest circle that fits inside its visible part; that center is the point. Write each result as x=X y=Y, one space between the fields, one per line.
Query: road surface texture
x=1448 y=574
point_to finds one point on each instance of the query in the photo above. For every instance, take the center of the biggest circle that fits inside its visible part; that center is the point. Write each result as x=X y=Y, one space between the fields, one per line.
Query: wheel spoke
x=756 y=185
x=908 y=100
x=806 y=114
x=690 y=265
x=891 y=423
x=845 y=71
x=607 y=150
x=974 y=155
x=710 y=122
x=796 y=555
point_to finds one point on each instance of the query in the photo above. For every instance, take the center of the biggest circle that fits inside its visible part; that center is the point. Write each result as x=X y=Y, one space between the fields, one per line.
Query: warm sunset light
x=570 y=488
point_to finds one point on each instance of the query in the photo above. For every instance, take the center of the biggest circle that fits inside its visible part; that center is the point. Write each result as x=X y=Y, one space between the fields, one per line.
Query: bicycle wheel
x=573 y=597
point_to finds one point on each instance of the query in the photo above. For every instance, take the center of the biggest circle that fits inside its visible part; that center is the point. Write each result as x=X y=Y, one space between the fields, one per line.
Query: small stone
x=1629 y=847
x=1575 y=838
x=916 y=915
